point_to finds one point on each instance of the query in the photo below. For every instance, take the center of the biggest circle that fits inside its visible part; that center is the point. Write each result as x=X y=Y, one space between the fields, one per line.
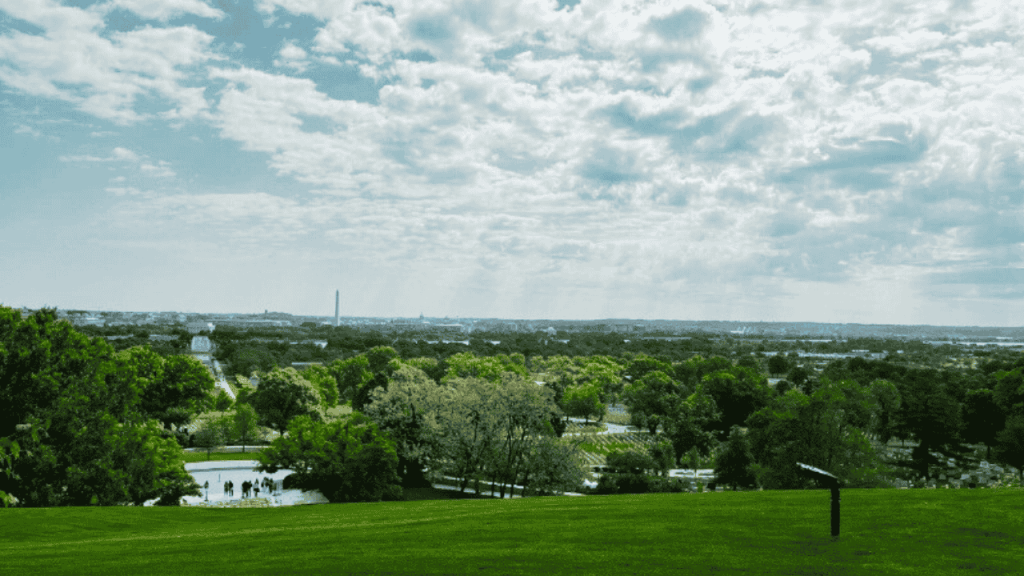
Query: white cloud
x=73 y=62
x=159 y=170
x=162 y=10
x=292 y=56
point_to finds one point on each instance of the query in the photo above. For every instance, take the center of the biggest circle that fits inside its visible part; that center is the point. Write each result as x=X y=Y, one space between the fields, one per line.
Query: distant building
x=202 y=344
x=197 y=326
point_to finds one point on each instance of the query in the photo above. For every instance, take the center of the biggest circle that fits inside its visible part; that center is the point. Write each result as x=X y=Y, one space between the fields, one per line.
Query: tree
x=642 y=365
x=583 y=401
x=688 y=427
x=490 y=368
x=651 y=399
x=799 y=376
x=471 y=429
x=223 y=402
x=244 y=424
x=983 y=419
x=409 y=411
x=76 y=419
x=778 y=365
x=323 y=380
x=211 y=434
x=351 y=375
x=382 y=362
x=813 y=430
x=930 y=415
x=184 y=390
x=554 y=466
x=1008 y=391
x=887 y=400
x=738 y=393
x=1009 y=447
x=282 y=395
x=347 y=460
x=733 y=464
x=523 y=411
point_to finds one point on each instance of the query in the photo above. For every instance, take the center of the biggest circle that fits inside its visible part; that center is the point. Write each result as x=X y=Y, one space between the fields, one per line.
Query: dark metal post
x=832 y=483
x=835 y=511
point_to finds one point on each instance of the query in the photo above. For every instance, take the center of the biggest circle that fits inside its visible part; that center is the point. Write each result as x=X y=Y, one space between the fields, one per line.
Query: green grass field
x=201 y=456
x=883 y=532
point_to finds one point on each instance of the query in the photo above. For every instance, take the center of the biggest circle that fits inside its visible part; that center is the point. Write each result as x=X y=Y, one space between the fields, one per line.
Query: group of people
x=251 y=488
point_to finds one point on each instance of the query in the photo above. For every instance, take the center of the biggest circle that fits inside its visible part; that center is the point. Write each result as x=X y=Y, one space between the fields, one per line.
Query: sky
x=856 y=161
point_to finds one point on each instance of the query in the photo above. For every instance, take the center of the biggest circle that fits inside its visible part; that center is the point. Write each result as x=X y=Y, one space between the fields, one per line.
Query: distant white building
x=198 y=326
x=201 y=344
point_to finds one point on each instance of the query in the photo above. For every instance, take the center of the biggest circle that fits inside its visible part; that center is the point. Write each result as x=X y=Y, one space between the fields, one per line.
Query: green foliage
x=409 y=411
x=733 y=463
x=211 y=434
x=74 y=408
x=222 y=402
x=381 y=363
x=651 y=399
x=283 y=394
x=689 y=426
x=244 y=426
x=778 y=364
x=583 y=401
x=490 y=368
x=1008 y=392
x=738 y=393
x=323 y=380
x=814 y=430
x=983 y=418
x=351 y=375
x=348 y=460
x=887 y=400
x=1009 y=448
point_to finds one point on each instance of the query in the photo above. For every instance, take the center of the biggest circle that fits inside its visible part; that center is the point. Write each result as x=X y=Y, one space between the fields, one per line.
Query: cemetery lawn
x=883 y=532
x=201 y=456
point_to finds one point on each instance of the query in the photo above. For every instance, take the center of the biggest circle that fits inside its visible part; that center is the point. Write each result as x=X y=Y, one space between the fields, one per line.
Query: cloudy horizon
x=780 y=161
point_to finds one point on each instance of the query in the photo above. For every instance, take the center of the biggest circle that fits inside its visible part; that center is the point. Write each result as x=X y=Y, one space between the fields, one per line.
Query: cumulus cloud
x=652 y=148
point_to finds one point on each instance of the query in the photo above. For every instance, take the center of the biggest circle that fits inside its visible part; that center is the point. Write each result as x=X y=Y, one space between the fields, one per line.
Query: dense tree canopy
x=283 y=394
x=74 y=407
x=347 y=460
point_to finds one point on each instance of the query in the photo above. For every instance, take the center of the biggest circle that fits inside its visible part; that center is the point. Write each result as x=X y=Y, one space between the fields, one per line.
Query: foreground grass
x=883 y=532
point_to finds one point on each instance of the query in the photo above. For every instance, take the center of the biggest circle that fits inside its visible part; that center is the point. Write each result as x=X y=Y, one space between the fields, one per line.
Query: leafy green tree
x=323 y=380
x=688 y=427
x=382 y=362
x=663 y=455
x=642 y=365
x=430 y=366
x=351 y=375
x=603 y=372
x=210 y=435
x=1009 y=447
x=283 y=394
x=651 y=399
x=471 y=429
x=223 y=402
x=983 y=419
x=799 y=376
x=733 y=464
x=887 y=399
x=778 y=364
x=813 y=430
x=347 y=460
x=76 y=418
x=184 y=390
x=932 y=416
x=490 y=368
x=1008 y=391
x=244 y=424
x=523 y=411
x=409 y=411
x=583 y=401
x=554 y=466
x=738 y=393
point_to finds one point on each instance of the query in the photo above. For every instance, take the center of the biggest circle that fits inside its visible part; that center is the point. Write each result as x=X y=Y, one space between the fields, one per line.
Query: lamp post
x=207 y=486
x=832 y=483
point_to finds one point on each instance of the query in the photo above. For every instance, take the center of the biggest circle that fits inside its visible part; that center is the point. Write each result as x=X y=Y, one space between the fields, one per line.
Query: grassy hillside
x=883 y=532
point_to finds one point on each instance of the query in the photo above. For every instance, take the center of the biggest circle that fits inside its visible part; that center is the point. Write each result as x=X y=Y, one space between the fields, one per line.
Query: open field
x=214 y=456
x=883 y=532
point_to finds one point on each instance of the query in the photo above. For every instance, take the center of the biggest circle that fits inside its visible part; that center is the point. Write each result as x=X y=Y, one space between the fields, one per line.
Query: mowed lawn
x=787 y=532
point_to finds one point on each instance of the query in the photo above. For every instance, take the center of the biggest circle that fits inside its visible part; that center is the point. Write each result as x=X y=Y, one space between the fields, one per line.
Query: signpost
x=829 y=481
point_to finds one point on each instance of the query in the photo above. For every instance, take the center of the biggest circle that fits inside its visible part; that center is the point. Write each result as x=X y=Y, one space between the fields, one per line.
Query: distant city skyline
x=573 y=159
